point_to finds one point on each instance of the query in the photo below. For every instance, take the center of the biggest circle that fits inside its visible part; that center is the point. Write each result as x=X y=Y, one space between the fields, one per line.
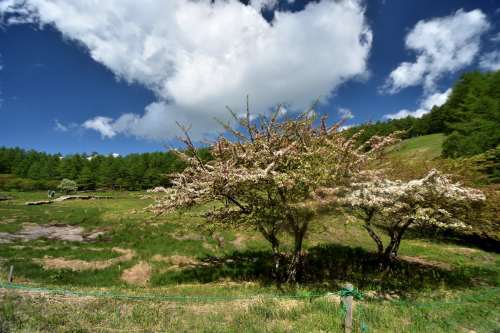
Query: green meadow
x=441 y=284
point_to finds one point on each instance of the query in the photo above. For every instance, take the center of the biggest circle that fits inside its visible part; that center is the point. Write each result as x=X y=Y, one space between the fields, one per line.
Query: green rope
x=355 y=293
x=484 y=294
x=363 y=318
x=344 y=292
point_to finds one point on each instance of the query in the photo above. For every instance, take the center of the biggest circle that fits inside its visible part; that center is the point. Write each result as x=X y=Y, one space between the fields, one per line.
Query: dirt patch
x=187 y=237
x=176 y=260
x=462 y=250
x=65 y=232
x=239 y=241
x=138 y=274
x=427 y=262
x=82 y=265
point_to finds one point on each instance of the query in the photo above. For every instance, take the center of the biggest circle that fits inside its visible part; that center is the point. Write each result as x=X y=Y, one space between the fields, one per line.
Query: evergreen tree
x=87 y=179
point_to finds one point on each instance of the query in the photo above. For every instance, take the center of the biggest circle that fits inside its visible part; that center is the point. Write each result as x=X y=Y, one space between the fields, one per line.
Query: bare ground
x=138 y=274
x=57 y=231
x=426 y=262
x=82 y=265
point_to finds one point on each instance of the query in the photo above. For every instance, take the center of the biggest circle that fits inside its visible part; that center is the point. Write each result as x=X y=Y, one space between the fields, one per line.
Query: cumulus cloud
x=442 y=45
x=103 y=125
x=426 y=105
x=490 y=61
x=198 y=56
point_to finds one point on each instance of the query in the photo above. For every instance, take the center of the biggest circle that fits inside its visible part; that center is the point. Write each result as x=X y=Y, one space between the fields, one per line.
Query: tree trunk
x=276 y=261
x=270 y=236
x=391 y=251
x=376 y=239
x=370 y=213
x=295 y=267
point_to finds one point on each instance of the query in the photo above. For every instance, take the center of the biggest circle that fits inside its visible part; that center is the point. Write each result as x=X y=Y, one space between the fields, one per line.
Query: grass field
x=420 y=147
x=439 y=285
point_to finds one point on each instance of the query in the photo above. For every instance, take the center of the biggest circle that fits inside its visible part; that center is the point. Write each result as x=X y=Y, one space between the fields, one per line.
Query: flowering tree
x=67 y=186
x=273 y=176
x=397 y=205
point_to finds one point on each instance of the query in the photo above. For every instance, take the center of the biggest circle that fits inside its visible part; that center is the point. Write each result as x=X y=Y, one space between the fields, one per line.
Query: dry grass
x=138 y=274
x=82 y=265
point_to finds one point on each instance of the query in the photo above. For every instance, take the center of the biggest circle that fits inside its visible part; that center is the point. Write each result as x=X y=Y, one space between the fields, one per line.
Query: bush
x=67 y=186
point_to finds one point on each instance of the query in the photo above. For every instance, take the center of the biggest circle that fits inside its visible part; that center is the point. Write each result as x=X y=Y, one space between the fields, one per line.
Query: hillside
x=426 y=147
x=470 y=118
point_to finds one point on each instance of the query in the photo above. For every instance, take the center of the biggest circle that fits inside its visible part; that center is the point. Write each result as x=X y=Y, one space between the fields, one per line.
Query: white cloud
x=490 y=61
x=345 y=113
x=406 y=113
x=426 y=105
x=436 y=99
x=198 y=56
x=442 y=45
x=103 y=125
x=60 y=127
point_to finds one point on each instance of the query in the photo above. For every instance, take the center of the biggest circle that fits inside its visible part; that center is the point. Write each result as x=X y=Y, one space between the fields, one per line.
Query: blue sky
x=115 y=79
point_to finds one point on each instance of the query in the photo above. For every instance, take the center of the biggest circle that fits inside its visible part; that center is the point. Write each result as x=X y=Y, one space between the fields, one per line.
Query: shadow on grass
x=472 y=239
x=326 y=267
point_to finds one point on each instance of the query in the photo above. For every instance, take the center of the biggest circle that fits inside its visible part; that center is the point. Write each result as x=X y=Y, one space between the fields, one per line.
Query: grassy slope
x=337 y=252
x=421 y=147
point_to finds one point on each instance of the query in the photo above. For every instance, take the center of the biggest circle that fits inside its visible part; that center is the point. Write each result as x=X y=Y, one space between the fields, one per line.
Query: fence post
x=347 y=301
x=11 y=271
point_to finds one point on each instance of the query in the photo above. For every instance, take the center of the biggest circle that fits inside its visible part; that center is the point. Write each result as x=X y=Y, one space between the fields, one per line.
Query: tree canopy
x=432 y=201
x=273 y=177
x=37 y=170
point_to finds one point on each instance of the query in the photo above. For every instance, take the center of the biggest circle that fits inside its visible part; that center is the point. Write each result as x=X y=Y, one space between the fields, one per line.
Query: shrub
x=396 y=206
x=67 y=186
